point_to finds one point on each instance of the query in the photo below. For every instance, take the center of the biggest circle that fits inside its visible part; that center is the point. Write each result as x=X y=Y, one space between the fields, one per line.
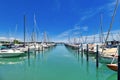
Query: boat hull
x=107 y=60
x=5 y=55
x=113 y=67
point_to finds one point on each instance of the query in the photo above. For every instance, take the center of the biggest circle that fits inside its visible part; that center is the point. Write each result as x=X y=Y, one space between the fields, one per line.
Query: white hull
x=10 y=53
x=107 y=59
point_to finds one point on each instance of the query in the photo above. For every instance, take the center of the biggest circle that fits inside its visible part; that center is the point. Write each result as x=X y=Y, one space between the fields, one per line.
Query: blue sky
x=59 y=18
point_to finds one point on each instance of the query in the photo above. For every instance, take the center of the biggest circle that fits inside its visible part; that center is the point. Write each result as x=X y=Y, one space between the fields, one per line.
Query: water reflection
x=56 y=64
x=112 y=77
x=101 y=73
x=81 y=58
x=38 y=56
x=87 y=67
x=16 y=60
x=97 y=74
x=78 y=55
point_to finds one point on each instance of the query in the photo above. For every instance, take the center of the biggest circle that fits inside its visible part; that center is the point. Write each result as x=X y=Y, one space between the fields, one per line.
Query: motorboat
x=11 y=53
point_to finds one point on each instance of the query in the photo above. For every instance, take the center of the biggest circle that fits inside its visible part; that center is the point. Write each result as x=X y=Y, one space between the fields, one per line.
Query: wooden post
x=28 y=56
x=81 y=48
x=38 y=48
x=42 y=48
x=97 y=64
x=81 y=52
x=35 y=53
x=87 y=52
x=82 y=58
x=28 y=53
x=78 y=56
x=78 y=48
x=119 y=62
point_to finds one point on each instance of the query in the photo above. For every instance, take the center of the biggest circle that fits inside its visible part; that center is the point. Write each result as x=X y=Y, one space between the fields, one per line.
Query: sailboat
x=24 y=48
x=36 y=46
x=12 y=51
x=112 y=66
x=44 y=42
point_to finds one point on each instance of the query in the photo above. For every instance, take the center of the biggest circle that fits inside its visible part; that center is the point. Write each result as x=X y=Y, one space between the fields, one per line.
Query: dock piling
x=81 y=48
x=119 y=62
x=38 y=48
x=42 y=48
x=97 y=63
x=87 y=52
x=78 y=49
x=28 y=53
x=35 y=53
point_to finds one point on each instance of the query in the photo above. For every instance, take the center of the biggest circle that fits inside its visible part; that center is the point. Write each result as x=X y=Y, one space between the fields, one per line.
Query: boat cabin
x=112 y=44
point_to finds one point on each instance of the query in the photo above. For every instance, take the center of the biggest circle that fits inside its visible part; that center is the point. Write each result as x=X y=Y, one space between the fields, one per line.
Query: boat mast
x=118 y=36
x=86 y=37
x=48 y=38
x=34 y=31
x=94 y=39
x=81 y=36
x=24 y=29
x=69 y=39
x=45 y=37
x=116 y=6
x=75 y=41
x=9 y=41
x=101 y=27
x=15 y=33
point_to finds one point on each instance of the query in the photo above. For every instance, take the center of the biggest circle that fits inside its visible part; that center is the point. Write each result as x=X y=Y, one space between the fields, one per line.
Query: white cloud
x=68 y=32
x=114 y=35
x=77 y=27
x=74 y=32
x=85 y=28
x=89 y=13
x=91 y=38
x=9 y=39
x=3 y=38
x=107 y=9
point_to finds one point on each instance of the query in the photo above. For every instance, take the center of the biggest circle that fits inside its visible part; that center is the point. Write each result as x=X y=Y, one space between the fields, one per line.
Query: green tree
x=16 y=42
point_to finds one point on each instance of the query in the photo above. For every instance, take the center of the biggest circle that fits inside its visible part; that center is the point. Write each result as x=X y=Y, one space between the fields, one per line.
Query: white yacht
x=10 y=53
x=44 y=45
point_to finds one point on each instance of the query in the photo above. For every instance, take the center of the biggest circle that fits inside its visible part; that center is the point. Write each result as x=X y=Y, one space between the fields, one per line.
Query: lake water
x=57 y=63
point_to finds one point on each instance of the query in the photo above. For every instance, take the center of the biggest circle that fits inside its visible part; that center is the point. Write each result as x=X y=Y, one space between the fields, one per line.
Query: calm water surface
x=58 y=63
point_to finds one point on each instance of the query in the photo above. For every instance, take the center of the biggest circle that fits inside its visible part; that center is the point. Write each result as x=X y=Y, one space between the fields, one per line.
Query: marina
x=58 y=63
x=59 y=40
